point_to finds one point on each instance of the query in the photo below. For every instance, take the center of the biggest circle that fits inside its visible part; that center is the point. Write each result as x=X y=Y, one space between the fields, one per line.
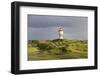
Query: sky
x=45 y=27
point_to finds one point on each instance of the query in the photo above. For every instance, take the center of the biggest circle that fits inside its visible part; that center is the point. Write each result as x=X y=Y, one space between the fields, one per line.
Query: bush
x=51 y=46
x=56 y=51
x=43 y=46
x=63 y=49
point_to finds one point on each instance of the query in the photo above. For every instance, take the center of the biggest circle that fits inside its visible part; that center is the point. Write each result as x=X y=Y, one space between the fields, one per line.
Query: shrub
x=51 y=46
x=56 y=51
x=43 y=46
x=63 y=49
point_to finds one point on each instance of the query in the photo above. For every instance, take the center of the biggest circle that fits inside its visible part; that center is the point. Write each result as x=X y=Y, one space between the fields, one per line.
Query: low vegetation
x=57 y=49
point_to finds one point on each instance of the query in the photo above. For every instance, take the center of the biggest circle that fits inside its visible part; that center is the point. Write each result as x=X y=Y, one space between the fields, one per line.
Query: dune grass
x=57 y=49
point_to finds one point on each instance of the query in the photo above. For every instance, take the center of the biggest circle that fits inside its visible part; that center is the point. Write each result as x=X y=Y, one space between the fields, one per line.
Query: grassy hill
x=57 y=49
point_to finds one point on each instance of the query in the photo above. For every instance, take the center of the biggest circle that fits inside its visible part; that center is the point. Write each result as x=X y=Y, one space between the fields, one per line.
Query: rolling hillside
x=57 y=49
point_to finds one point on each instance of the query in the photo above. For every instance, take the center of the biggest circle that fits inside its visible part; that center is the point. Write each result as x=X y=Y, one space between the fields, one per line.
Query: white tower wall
x=61 y=35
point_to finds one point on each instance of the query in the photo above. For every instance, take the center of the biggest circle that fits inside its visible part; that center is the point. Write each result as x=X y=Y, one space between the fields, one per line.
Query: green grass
x=57 y=49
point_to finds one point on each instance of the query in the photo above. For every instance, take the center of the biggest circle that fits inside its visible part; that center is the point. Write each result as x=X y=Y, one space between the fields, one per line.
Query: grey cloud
x=45 y=27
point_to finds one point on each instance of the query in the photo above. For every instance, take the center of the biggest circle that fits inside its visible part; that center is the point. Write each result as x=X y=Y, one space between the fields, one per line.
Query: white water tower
x=61 y=32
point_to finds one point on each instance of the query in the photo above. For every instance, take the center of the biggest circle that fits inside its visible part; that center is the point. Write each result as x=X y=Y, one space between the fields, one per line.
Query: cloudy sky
x=46 y=27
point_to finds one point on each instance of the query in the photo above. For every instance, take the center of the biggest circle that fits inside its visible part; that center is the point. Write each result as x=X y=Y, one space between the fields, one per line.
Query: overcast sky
x=45 y=27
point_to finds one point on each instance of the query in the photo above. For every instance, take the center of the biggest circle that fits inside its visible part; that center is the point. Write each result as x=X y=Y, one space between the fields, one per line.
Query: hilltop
x=57 y=49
